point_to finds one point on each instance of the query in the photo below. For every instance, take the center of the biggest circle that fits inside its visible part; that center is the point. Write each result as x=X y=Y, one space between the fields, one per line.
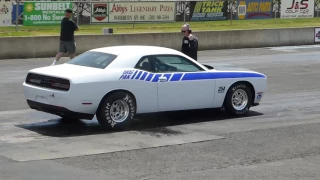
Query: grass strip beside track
x=163 y=27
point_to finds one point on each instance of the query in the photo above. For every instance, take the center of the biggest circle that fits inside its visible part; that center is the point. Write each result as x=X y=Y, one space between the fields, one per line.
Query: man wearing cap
x=67 y=42
x=189 y=42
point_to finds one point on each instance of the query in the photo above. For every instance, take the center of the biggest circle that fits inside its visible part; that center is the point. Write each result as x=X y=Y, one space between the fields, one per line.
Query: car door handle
x=162 y=79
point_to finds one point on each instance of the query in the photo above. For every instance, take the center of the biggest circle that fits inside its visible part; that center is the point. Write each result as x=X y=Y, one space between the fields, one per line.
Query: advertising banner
x=99 y=13
x=14 y=11
x=208 y=10
x=44 y=13
x=5 y=13
x=142 y=12
x=297 y=8
x=254 y=9
x=317 y=35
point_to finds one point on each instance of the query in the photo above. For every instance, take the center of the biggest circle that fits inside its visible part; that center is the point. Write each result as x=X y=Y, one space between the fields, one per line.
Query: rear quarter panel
x=95 y=88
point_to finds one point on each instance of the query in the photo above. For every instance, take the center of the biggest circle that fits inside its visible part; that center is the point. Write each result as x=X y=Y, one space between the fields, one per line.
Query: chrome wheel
x=119 y=111
x=239 y=99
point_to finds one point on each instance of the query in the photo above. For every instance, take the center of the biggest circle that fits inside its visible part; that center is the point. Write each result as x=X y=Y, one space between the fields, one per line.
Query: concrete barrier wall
x=47 y=46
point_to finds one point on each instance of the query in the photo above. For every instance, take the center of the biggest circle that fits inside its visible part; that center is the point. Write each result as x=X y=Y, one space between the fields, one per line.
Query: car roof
x=137 y=50
x=129 y=55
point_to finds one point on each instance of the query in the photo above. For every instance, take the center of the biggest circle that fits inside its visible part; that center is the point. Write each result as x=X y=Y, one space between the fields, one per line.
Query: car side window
x=145 y=64
x=172 y=63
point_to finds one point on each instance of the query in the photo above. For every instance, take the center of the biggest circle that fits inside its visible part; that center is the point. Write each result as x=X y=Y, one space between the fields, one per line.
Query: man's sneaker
x=54 y=63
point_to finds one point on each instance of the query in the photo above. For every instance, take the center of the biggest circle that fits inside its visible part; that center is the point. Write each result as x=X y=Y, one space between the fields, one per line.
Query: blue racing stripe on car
x=168 y=76
x=137 y=77
x=149 y=77
x=219 y=75
x=134 y=74
x=176 y=76
x=143 y=76
x=156 y=78
x=224 y=75
x=197 y=76
x=189 y=76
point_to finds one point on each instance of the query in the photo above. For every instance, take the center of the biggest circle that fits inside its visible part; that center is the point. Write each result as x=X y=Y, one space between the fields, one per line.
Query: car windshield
x=93 y=59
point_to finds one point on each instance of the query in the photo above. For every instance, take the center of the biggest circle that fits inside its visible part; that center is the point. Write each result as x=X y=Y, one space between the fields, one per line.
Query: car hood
x=68 y=71
x=226 y=67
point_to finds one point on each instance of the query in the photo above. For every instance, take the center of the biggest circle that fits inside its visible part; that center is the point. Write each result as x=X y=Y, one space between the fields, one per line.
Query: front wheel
x=238 y=99
x=116 y=111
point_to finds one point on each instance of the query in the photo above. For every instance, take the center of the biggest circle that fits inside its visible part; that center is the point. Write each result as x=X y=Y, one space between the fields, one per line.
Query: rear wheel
x=238 y=99
x=116 y=111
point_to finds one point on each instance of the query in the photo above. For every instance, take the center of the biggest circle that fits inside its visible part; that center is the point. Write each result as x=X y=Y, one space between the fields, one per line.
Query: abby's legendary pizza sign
x=133 y=12
x=99 y=13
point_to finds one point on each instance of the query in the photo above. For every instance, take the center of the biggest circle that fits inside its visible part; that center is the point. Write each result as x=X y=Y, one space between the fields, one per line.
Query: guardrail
x=208 y=40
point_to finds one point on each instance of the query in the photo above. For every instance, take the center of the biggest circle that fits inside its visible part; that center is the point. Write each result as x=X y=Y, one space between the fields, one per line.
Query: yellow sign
x=259 y=7
x=242 y=9
x=208 y=7
x=209 y=11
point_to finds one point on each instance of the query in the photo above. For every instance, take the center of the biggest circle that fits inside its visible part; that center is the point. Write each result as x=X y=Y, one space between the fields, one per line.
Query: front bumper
x=57 y=110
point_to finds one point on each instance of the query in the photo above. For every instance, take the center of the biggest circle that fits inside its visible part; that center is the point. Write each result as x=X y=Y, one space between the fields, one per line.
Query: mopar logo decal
x=259 y=96
x=221 y=89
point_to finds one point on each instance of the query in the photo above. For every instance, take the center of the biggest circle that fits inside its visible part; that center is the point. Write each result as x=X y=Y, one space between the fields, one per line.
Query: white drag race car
x=116 y=83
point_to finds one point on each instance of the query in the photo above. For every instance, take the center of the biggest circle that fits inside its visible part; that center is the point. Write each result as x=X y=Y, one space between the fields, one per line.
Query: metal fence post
x=184 y=11
x=318 y=10
x=231 y=11
x=77 y=13
x=275 y=10
x=17 y=15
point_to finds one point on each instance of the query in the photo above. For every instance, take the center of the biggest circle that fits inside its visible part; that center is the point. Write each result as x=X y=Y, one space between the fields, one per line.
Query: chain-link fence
x=185 y=11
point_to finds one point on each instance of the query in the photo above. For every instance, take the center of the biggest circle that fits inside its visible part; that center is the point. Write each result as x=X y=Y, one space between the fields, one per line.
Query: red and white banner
x=297 y=8
x=99 y=12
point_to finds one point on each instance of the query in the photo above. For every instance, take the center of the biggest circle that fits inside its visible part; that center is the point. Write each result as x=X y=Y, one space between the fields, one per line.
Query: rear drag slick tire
x=117 y=111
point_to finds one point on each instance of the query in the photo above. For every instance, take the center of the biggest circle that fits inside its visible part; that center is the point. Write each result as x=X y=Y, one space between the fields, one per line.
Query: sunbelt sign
x=44 y=13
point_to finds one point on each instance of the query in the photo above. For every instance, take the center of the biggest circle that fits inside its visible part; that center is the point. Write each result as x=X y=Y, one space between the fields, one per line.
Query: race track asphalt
x=280 y=139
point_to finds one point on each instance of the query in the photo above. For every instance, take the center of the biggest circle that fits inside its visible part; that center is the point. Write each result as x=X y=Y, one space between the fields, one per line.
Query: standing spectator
x=67 y=42
x=189 y=42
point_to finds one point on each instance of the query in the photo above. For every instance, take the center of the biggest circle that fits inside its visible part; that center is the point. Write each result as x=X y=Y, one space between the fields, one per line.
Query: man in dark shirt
x=67 y=42
x=189 y=42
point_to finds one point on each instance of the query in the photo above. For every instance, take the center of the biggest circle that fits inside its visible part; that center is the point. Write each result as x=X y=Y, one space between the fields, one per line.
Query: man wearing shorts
x=67 y=42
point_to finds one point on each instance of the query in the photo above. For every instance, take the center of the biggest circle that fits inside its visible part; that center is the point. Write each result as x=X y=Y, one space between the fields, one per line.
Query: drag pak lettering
x=126 y=74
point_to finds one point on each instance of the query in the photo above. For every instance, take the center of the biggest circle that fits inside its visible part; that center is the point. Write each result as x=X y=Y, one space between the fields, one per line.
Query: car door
x=182 y=84
x=145 y=91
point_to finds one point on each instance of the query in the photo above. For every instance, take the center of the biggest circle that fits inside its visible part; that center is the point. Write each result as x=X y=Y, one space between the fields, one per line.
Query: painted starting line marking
x=292 y=48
